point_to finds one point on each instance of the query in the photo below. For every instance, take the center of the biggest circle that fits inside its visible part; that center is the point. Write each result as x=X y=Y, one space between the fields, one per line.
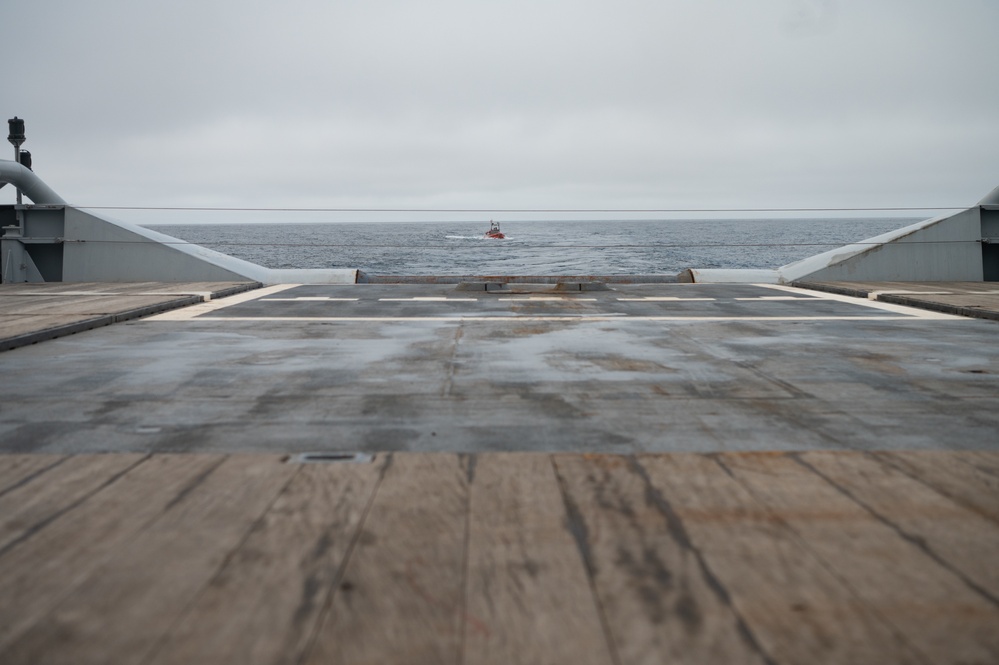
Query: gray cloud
x=626 y=104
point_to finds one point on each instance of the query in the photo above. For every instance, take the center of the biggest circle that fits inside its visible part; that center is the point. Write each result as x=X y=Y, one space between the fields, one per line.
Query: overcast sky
x=506 y=104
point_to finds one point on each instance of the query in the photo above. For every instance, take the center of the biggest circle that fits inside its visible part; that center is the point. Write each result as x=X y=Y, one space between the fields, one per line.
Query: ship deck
x=645 y=474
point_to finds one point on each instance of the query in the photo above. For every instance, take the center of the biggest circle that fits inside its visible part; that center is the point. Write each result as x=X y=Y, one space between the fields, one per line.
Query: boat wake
x=479 y=237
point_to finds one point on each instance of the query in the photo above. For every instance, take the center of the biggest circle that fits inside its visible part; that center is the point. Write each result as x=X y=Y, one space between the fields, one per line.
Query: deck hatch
x=332 y=457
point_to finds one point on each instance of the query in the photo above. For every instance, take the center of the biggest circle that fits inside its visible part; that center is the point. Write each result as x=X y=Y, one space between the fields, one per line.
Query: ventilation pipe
x=26 y=181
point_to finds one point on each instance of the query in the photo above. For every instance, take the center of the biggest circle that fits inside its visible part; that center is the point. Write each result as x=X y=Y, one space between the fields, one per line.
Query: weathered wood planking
x=961 y=540
x=18 y=469
x=527 y=589
x=401 y=599
x=934 y=609
x=120 y=612
x=954 y=474
x=112 y=289
x=796 y=610
x=661 y=604
x=77 y=305
x=513 y=558
x=14 y=326
x=26 y=310
x=32 y=505
x=279 y=578
x=47 y=567
x=985 y=461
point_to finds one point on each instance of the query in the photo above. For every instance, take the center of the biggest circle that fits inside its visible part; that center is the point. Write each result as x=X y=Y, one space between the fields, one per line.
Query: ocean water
x=533 y=248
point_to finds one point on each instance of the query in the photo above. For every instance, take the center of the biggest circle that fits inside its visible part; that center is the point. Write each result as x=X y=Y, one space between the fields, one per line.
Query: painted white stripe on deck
x=662 y=299
x=545 y=299
x=188 y=313
x=310 y=299
x=577 y=319
x=902 y=312
x=428 y=299
x=773 y=298
x=911 y=312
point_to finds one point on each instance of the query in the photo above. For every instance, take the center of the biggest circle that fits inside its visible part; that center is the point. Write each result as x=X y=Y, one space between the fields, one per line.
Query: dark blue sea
x=533 y=248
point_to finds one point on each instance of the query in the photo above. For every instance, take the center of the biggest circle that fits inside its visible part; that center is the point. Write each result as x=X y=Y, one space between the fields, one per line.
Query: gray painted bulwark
x=102 y=250
x=54 y=242
x=98 y=249
x=940 y=249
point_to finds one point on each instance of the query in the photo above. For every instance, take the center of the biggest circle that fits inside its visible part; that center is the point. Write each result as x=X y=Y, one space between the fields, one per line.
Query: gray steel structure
x=959 y=247
x=52 y=241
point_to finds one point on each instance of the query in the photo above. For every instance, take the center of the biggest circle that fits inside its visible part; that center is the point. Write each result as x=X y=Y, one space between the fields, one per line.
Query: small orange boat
x=494 y=231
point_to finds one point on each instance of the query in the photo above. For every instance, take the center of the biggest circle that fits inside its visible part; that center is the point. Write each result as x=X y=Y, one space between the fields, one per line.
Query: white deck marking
x=891 y=312
x=188 y=313
x=545 y=298
x=428 y=299
x=662 y=299
x=579 y=319
x=310 y=299
x=769 y=298
x=911 y=312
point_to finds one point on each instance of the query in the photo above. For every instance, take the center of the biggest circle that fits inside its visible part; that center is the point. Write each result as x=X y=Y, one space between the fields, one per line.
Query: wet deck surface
x=639 y=368
x=528 y=500
x=501 y=558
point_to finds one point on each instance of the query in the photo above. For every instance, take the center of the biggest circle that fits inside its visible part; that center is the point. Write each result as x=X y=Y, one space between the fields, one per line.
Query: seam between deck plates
x=165 y=637
x=833 y=572
x=886 y=457
x=44 y=522
x=470 y=461
x=913 y=540
x=327 y=606
x=569 y=506
x=31 y=476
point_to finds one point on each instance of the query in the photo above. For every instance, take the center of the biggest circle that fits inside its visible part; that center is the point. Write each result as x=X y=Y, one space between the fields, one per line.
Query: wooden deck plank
x=660 y=604
x=129 y=602
x=934 y=609
x=739 y=557
x=526 y=580
x=32 y=313
x=281 y=577
x=16 y=306
x=51 y=564
x=401 y=598
x=51 y=289
x=796 y=610
x=17 y=469
x=985 y=461
x=13 y=326
x=56 y=289
x=31 y=506
x=954 y=474
x=961 y=540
